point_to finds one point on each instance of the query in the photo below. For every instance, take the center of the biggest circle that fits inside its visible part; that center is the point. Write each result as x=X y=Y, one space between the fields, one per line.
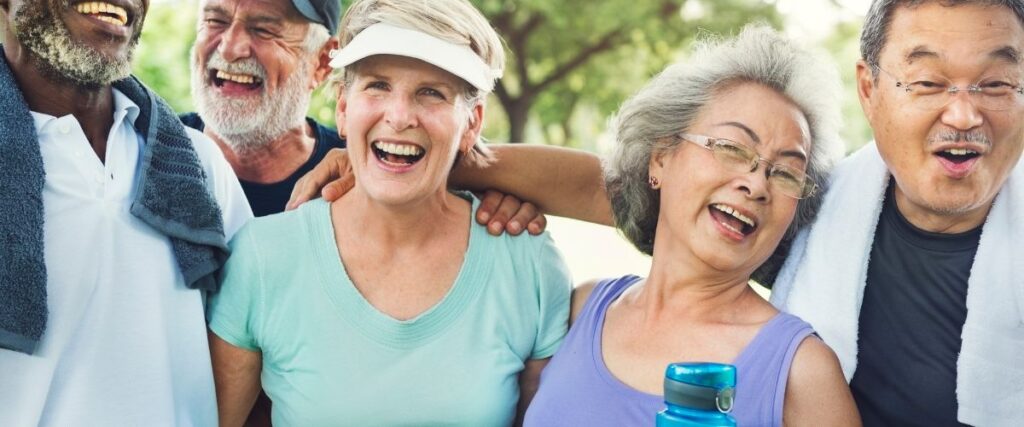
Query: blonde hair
x=455 y=21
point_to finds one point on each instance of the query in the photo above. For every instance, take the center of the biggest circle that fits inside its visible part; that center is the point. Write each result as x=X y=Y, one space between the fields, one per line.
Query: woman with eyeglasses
x=718 y=160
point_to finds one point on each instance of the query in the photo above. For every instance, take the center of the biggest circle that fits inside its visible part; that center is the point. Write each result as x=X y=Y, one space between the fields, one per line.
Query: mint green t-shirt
x=330 y=358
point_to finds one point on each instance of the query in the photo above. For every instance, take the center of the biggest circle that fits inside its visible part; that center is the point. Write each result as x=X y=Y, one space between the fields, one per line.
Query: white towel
x=823 y=281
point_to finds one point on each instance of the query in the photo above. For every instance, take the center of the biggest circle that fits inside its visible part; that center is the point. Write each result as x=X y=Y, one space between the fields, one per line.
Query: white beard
x=251 y=123
x=41 y=31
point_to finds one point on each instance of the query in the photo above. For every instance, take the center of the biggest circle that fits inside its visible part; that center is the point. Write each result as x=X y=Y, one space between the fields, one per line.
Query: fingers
x=337 y=188
x=506 y=213
x=537 y=223
x=489 y=202
x=300 y=193
x=524 y=215
x=335 y=165
x=501 y=221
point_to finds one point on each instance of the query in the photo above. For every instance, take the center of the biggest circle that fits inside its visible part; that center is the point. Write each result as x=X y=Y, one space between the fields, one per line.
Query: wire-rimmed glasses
x=739 y=157
x=994 y=93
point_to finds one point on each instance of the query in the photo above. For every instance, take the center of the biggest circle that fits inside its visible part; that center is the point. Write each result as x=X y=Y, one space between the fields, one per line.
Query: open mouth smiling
x=105 y=12
x=401 y=155
x=958 y=161
x=221 y=78
x=958 y=155
x=732 y=219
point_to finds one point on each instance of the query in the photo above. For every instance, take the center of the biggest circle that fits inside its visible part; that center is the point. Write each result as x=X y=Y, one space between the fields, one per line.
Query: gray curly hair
x=671 y=101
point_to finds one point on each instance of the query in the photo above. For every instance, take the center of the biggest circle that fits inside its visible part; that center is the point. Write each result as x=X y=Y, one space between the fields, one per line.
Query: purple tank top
x=576 y=388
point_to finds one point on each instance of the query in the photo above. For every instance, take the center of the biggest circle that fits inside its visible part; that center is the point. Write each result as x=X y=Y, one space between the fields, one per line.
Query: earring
x=654 y=182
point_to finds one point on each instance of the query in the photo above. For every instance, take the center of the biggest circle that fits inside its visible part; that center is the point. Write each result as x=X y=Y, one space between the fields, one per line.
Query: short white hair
x=316 y=37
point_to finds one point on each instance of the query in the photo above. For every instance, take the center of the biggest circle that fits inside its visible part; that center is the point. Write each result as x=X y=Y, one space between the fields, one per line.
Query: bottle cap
x=703 y=386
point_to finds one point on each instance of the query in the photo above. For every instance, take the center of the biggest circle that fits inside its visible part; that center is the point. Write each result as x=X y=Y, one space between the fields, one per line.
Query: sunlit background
x=582 y=57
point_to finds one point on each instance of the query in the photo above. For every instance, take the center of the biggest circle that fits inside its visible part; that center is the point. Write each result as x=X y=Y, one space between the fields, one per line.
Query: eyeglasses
x=995 y=93
x=738 y=157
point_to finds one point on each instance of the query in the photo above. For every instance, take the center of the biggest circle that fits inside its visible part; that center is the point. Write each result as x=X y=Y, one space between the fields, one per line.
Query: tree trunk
x=518 y=114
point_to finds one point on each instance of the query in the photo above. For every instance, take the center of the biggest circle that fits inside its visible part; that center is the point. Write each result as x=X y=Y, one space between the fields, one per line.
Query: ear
x=340 y=111
x=866 y=88
x=472 y=133
x=323 y=65
x=656 y=167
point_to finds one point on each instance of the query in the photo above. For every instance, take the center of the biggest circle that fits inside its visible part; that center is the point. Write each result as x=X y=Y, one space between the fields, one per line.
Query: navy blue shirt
x=911 y=319
x=266 y=199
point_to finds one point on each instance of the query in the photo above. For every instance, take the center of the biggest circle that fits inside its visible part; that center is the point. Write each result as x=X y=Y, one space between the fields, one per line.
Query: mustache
x=961 y=136
x=248 y=66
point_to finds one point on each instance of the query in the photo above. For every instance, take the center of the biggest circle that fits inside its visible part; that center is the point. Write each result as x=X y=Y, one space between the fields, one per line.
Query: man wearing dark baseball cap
x=252 y=91
x=323 y=12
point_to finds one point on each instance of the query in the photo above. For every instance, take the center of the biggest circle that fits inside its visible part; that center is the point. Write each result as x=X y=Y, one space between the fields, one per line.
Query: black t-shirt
x=915 y=305
x=266 y=199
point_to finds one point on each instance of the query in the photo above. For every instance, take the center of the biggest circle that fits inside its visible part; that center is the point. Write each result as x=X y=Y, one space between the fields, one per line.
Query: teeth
x=398 y=149
x=96 y=8
x=109 y=20
x=728 y=210
x=960 y=151
x=237 y=78
x=731 y=228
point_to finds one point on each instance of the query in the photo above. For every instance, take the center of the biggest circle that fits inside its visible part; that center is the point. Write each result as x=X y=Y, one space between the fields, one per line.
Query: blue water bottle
x=698 y=395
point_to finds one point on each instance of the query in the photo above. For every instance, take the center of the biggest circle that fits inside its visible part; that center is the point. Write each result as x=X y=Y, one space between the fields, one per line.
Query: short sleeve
x=554 y=287
x=232 y=312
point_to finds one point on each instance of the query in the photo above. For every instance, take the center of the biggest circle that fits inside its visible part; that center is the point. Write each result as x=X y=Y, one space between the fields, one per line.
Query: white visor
x=384 y=39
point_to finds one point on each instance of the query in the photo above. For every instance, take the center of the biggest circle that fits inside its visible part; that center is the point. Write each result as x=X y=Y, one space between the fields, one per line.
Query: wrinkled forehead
x=756 y=114
x=968 y=35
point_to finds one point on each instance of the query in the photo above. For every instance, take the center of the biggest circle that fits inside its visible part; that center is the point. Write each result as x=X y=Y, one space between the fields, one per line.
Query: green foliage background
x=572 y=111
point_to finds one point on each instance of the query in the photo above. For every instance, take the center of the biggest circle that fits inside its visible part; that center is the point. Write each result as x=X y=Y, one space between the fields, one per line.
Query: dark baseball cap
x=321 y=11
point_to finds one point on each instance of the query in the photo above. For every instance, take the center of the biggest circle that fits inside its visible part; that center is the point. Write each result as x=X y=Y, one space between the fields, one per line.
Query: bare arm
x=580 y=294
x=817 y=393
x=529 y=379
x=236 y=374
x=560 y=181
x=529 y=382
x=500 y=212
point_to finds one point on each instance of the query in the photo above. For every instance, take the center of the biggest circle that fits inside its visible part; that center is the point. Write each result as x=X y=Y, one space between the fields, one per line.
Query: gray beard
x=62 y=59
x=251 y=124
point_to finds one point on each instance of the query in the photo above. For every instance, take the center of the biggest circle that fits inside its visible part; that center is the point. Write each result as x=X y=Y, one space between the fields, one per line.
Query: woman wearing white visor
x=390 y=306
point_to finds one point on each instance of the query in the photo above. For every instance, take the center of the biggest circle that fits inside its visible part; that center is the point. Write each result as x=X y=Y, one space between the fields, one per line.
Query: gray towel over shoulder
x=172 y=198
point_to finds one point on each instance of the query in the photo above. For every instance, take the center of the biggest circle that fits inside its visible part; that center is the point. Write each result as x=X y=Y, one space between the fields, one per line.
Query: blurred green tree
x=573 y=53
x=162 y=58
x=844 y=45
x=567 y=56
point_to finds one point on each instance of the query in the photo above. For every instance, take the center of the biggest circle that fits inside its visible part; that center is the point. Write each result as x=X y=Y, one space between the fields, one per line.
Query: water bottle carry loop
x=699 y=397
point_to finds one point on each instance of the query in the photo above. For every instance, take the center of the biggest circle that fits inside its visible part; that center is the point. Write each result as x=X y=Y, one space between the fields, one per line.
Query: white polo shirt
x=125 y=343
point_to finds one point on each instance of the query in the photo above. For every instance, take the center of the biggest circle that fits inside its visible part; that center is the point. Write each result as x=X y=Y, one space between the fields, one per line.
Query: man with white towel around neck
x=909 y=273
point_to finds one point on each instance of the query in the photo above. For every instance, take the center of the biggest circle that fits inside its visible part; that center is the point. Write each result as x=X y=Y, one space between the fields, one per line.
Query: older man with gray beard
x=113 y=221
x=255 y=64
